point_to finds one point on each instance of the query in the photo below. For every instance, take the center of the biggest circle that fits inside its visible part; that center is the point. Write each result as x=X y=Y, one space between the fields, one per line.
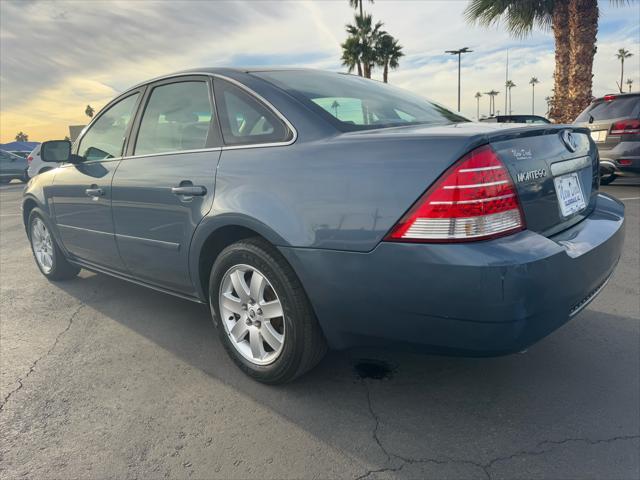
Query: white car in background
x=36 y=165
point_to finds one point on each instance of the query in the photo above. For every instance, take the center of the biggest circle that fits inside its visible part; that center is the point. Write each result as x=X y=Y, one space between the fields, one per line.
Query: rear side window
x=244 y=120
x=177 y=118
x=619 y=107
x=354 y=103
x=105 y=137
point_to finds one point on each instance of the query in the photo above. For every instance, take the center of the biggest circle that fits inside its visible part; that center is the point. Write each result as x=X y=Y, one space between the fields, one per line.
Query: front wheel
x=49 y=258
x=266 y=322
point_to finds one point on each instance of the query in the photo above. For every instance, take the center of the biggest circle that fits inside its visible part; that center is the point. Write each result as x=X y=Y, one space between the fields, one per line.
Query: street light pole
x=459 y=54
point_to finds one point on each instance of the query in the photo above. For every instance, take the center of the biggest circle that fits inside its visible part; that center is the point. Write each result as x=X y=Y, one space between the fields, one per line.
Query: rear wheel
x=49 y=258
x=607 y=175
x=265 y=320
x=607 y=178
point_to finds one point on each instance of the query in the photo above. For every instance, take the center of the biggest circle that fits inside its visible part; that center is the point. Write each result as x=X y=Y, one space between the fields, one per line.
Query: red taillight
x=609 y=98
x=475 y=199
x=626 y=127
x=625 y=162
x=29 y=159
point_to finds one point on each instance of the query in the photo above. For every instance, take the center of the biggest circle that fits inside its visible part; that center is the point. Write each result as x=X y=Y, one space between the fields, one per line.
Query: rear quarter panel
x=341 y=193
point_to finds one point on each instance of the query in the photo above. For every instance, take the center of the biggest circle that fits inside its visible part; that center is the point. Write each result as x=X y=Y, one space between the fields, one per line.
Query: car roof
x=222 y=71
x=618 y=95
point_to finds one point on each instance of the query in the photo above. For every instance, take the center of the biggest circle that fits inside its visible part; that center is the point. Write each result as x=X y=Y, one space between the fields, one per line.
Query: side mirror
x=56 y=151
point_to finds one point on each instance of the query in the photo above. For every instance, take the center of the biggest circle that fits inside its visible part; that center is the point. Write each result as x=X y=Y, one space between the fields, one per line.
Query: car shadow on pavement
x=579 y=383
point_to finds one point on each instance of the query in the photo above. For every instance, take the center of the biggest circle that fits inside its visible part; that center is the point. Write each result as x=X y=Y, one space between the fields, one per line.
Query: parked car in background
x=614 y=121
x=21 y=149
x=12 y=167
x=535 y=119
x=36 y=165
x=308 y=208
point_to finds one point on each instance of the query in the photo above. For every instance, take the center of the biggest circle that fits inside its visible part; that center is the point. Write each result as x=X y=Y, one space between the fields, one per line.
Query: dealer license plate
x=569 y=192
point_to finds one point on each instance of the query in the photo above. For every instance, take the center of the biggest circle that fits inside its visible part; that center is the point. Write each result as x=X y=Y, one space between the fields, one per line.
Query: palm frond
x=520 y=16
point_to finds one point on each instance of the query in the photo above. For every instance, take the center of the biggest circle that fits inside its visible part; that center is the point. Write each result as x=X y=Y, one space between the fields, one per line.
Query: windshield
x=607 y=110
x=355 y=103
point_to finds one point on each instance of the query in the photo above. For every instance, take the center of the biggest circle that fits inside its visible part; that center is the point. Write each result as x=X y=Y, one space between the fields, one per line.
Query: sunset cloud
x=57 y=57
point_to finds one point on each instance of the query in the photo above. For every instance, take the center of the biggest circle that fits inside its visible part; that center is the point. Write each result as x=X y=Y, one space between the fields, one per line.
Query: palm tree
x=351 y=54
x=533 y=82
x=89 y=111
x=368 y=35
x=574 y=24
x=629 y=82
x=22 y=137
x=357 y=4
x=492 y=102
x=335 y=106
x=478 y=95
x=388 y=52
x=509 y=85
x=621 y=55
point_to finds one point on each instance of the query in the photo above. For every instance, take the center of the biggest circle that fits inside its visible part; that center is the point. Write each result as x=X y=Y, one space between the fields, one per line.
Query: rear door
x=165 y=185
x=81 y=193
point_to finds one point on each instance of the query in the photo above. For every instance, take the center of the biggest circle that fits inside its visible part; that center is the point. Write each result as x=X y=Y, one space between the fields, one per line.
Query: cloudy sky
x=56 y=57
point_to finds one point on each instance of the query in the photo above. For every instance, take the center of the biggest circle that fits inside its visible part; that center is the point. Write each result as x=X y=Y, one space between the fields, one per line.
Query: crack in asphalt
x=21 y=380
x=539 y=449
x=377 y=424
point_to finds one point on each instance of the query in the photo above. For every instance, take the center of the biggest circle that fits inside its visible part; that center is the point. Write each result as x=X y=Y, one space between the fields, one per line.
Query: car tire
x=25 y=176
x=300 y=343
x=48 y=256
x=607 y=179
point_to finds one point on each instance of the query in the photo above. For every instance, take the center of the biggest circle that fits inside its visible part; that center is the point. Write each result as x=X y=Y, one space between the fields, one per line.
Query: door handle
x=94 y=192
x=189 y=190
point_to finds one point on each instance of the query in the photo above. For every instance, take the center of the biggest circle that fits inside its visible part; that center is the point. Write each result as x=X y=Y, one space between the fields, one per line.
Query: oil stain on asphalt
x=373 y=369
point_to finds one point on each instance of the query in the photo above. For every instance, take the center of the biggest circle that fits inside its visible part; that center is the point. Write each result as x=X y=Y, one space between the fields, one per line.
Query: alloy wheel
x=42 y=245
x=252 y=314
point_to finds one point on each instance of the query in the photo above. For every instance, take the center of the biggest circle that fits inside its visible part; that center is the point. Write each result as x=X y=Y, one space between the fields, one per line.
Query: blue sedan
x=311 y=210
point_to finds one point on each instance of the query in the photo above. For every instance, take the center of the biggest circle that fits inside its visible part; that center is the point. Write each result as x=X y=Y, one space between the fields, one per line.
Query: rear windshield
x=608 y=110
x=355 y=103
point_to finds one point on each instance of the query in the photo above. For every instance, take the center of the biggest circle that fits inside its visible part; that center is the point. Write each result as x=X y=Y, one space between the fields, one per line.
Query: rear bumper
x=610 y=158
x=484 y=298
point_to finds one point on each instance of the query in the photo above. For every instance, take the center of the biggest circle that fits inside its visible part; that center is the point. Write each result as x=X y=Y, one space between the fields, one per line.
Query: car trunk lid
x=555 y=173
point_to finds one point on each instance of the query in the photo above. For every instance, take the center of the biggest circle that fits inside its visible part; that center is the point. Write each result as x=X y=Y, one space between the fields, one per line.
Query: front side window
x=354 y=103
x=244 y=120
x=177 y=118
x=105 y=138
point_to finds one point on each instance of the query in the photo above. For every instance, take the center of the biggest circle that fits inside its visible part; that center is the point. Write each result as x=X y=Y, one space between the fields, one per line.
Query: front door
x=81 y=192
x=165 y=185
x=11 y=166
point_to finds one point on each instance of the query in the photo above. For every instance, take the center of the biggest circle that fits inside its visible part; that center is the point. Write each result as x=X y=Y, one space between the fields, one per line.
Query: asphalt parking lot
x=104 y=379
